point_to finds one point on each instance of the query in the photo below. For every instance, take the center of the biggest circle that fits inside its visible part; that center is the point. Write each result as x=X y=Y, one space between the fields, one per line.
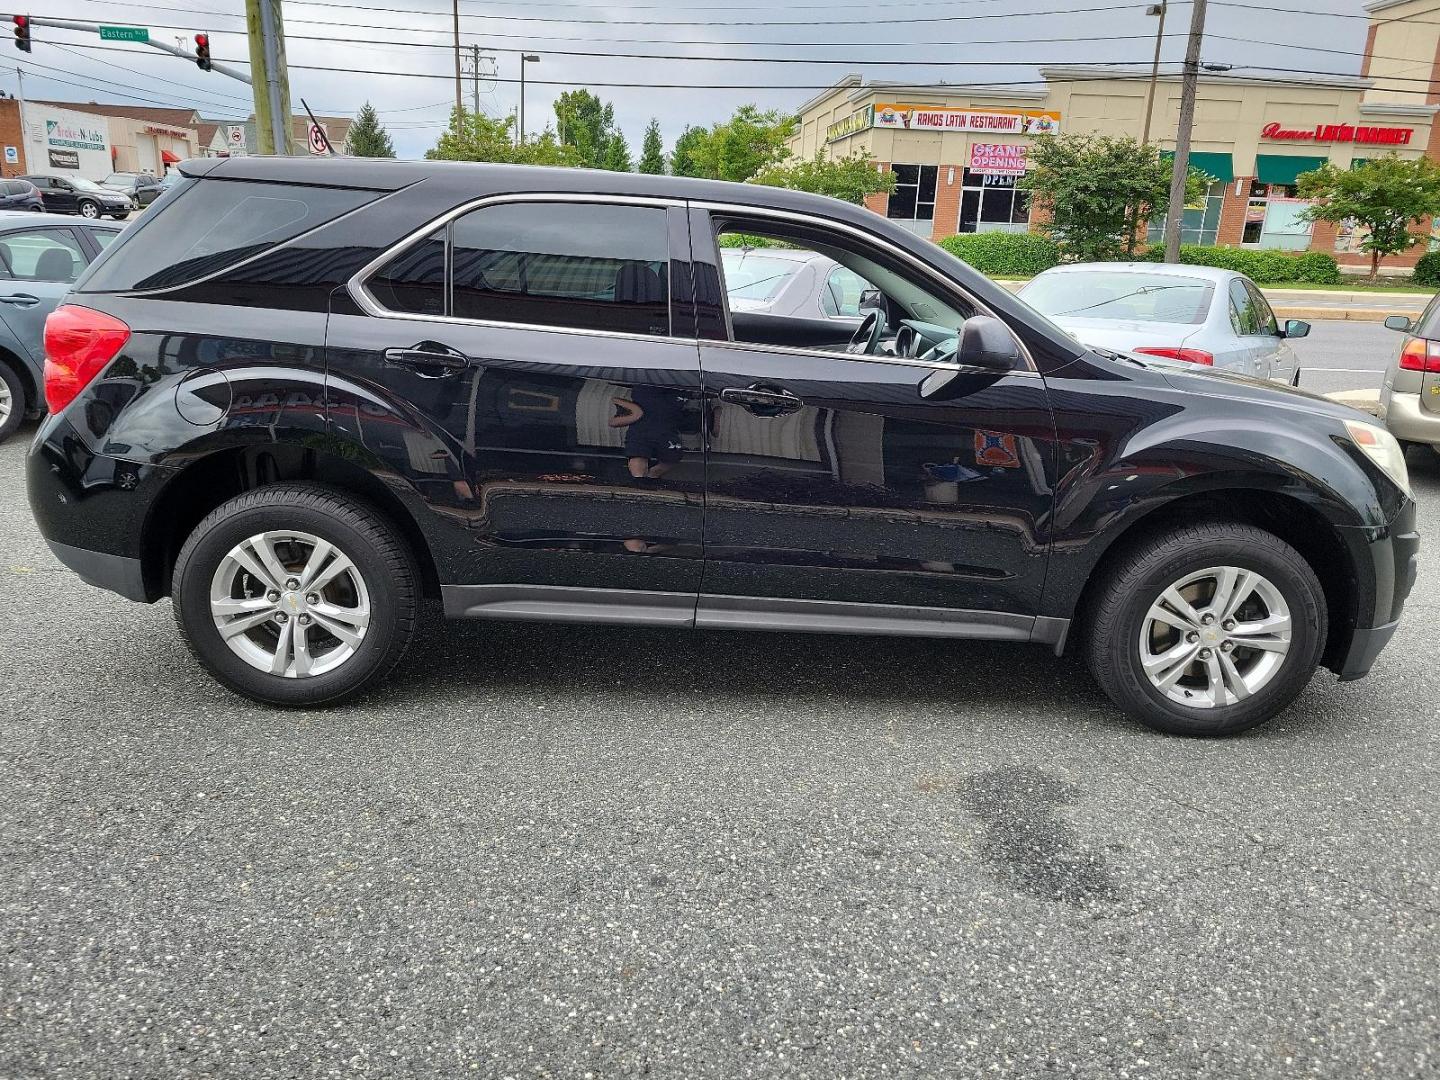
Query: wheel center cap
x=1210 y=636
x=292 y=602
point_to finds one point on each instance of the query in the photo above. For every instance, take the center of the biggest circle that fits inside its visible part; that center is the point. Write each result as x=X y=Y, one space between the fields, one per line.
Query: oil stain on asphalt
x=1027 y=844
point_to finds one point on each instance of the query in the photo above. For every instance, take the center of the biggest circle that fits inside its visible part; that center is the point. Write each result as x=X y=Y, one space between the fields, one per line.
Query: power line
x=216 y=99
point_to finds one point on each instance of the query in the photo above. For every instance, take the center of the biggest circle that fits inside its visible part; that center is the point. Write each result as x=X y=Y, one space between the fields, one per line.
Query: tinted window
x=414 y=281
x=1104 y=294
x=584 y=266
x=219 y=223
x=42 y=255
x=102 y=237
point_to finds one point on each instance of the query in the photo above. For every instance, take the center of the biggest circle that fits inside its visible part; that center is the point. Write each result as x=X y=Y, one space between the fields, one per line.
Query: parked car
x=1410 y=395
x=40 y=258
x=76 y=195
x=141 y=187
x=20 y=195
x=795 y=283
x=1195 y=314
x=298 y=396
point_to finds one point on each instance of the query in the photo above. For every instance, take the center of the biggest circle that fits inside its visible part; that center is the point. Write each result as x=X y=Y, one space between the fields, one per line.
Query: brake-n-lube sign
x=67 y=141
x=927 y=118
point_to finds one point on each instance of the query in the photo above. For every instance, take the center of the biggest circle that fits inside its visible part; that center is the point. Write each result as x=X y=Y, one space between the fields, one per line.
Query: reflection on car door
x=37 y=268
x=542 y=403
x=823 y=468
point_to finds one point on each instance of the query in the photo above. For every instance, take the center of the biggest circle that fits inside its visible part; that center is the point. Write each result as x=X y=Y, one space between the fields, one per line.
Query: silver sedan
x=1195 y=314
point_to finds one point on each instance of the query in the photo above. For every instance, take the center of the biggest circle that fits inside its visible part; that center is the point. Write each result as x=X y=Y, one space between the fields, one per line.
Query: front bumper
x=1409 y=421
x=1394 y=554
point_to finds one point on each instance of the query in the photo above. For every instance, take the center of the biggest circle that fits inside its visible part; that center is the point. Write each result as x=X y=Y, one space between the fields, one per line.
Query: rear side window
x=586 y=266
x=214 y=224
x=414 y=281
x=42 y=255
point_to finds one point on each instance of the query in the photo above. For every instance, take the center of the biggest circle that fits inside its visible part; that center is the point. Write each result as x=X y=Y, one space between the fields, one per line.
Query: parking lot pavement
x=561 y=851
x=1345 y=355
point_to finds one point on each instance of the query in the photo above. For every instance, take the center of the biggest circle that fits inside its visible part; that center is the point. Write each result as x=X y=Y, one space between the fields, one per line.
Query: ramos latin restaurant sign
x=1364 y=134
x=927 y=118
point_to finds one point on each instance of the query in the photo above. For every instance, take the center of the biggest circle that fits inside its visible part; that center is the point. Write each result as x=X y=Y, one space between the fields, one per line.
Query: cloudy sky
x=712 y=53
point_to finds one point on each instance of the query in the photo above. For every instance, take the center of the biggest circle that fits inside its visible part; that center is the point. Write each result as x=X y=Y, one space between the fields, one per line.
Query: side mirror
x=986 y=344
x=1401 y=323
x=872 y=300
x=1296 y=328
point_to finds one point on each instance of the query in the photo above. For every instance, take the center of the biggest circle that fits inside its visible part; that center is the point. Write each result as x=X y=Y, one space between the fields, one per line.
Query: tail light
x=1421 y=354
x=1190 y=356
x=79 y=342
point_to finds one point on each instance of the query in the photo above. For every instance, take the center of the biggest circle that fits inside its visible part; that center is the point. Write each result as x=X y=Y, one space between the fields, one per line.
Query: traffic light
x=22 y=32
x=202 y=51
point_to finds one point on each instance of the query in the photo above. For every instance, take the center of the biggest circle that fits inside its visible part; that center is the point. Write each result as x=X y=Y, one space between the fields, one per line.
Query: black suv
x=300 y=396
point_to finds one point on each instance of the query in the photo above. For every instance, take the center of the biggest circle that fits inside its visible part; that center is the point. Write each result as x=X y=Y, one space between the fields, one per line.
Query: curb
x=1367 y=401
x=1320 y=314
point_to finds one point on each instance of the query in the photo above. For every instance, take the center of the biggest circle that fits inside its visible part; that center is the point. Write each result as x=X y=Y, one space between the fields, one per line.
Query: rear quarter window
x=208 y=226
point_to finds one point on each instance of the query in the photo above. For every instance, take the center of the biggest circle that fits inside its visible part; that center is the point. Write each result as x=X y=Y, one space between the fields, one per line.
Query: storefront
x=957 y=153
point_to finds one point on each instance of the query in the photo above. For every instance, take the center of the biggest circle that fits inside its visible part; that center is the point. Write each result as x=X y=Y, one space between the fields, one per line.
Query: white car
x=1195 y=314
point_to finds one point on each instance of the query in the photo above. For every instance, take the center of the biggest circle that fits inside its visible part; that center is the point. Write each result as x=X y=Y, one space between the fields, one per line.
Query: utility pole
x=273 y=125
x=1153 y=9
x=459 y=99
x=475 y=75
x=1181 y=167
x=525 y=58
x=24 y=135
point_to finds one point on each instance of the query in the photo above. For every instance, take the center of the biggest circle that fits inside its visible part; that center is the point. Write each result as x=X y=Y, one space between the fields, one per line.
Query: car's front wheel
x=1206 y=629
x=296 y=595
x=89 y=209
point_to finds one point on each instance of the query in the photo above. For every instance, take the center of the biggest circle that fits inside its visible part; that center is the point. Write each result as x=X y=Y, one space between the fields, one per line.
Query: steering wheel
x=866 y=339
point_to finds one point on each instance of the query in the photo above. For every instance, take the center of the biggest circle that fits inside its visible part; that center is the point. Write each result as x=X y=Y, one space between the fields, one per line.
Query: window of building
x=912 y=203
x=1272 y=218
x=586 y=266
x=992 y=203
x=1199 y=224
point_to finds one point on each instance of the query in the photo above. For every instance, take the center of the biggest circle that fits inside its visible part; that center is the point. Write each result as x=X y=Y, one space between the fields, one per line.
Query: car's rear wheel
x=1207 y=629
x=12 y=401
x=89 y=209
x=296 y=595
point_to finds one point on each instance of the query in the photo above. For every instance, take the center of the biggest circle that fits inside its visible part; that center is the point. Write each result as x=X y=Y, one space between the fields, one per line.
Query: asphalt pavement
x=592 y=852
x=1341 y=355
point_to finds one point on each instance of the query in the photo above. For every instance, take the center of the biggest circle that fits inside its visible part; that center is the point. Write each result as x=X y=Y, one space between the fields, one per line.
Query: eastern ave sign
x=1342 y=133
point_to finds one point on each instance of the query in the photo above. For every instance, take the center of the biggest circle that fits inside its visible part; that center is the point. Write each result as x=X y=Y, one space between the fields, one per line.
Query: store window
x=1199 y=224
x=1272 y=218
x=912 y=203
x=992 y=203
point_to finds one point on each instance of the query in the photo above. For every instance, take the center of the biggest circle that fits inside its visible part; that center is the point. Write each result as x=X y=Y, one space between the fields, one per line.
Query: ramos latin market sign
x=1341 y=133
x=926 y=118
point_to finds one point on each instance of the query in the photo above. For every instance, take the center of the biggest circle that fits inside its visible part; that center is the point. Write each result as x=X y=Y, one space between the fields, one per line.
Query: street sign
x=237 y=136
x=124 y=33
x=318 y=144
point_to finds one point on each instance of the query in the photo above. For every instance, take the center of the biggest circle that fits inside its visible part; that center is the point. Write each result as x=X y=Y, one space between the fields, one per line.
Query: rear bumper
x=1409 y=421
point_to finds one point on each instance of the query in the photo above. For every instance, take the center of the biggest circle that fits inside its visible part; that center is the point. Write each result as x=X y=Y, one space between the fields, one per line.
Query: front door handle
x=20 y=299
x=762 y=400
x=429 y=359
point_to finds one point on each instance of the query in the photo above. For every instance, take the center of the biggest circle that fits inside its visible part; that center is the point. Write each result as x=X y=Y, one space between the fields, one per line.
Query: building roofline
x=1081 y=72
x=846 y=81
x=1381 y=5
x=1387 y=108
x=944 y=89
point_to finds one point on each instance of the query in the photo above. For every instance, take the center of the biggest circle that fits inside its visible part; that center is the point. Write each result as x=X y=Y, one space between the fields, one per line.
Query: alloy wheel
x=1215 y=637
x=6 y=403
x=89 y=210
x=290 y=603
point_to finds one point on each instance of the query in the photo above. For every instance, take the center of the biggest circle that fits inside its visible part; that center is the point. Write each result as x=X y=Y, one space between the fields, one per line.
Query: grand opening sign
x=927 y=118
x=1342 y=133
x=998 y=159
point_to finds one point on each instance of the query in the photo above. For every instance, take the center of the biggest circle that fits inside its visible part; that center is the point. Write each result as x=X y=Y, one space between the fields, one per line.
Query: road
x=589 y=852
x=1340 y=355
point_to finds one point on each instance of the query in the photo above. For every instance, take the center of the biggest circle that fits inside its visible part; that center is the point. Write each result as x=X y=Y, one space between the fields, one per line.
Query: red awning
x=168 y=158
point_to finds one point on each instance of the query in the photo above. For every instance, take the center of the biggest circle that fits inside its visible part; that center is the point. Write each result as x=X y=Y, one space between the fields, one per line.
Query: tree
x=367 y=137
x=652 y=150
x=849 y=178
x=586 y=123
x=1096 y=188
x=682 y=157
x=476 y=137
x=1386 y=197
x=740 y=147
x=617 y=154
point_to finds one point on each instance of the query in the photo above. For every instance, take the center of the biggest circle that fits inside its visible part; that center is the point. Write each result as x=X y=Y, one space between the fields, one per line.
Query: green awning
x=1220 y=166
x=1283 y=169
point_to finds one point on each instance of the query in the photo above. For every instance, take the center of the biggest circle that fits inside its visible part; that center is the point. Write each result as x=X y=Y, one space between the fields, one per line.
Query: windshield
x=1110 y=294
x=81 y=184
x=121 y=179
x=756 y=277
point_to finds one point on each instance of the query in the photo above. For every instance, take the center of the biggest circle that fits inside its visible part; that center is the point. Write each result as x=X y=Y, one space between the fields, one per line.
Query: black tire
x=1138 y=575
x=383 y=559
x=19 y=402
x=89 y=205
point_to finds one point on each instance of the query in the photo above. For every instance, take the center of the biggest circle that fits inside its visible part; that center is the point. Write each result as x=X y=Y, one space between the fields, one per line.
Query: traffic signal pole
x=75 y=24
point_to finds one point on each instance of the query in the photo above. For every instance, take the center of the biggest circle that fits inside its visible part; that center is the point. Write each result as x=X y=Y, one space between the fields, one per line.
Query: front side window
x=42 y=255
x=583 y=266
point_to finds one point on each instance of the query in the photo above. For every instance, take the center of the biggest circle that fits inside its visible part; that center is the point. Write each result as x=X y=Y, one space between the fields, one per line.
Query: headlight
x=1380 y=447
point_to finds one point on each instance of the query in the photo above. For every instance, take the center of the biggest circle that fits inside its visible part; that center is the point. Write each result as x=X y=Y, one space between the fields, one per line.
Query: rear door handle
x=761 y=399
x=21 y=299
x=430 y=360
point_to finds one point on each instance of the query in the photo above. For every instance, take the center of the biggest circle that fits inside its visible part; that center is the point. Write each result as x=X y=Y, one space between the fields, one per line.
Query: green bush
x=1000 y=254
x=1262 y=265
x=1427 y=270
